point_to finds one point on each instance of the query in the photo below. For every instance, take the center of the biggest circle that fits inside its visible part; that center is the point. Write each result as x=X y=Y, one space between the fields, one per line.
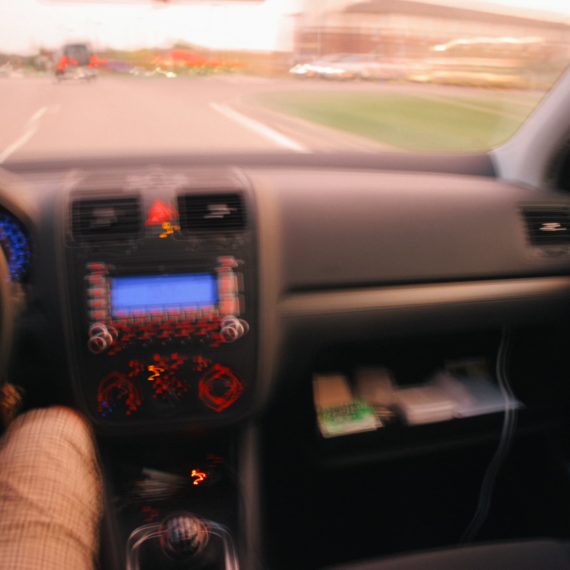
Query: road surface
x=115 y=115
x=123 y=115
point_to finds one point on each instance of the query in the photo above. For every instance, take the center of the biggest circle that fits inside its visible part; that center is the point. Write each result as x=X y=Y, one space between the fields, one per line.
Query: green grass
x=410 y=122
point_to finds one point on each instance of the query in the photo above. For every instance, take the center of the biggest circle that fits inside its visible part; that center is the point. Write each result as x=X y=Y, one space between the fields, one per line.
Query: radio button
x=97 y=292
x=227 y=261
x=207 y=312
x=190 y=315
x=97 y=279
x=174 y=314
x=96 y=266
x=228 y=306
x=227 y=283
x=97 y=315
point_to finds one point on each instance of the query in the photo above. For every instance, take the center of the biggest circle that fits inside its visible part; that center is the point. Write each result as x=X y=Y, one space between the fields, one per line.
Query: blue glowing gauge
x=16 y=246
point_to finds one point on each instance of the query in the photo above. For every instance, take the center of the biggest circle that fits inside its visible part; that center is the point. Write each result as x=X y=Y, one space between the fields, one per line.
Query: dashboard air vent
x=547 y=225
x=212 y=212
x=94 y=219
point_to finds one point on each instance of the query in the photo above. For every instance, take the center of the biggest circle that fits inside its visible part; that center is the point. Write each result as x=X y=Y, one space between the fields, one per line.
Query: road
x=117 y=116
x=125 y=115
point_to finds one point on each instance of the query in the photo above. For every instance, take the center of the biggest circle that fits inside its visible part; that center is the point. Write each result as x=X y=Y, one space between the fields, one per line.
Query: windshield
x=100 y=78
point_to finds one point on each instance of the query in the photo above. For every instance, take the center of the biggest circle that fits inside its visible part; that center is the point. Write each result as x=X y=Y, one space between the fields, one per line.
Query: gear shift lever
x=183 y=536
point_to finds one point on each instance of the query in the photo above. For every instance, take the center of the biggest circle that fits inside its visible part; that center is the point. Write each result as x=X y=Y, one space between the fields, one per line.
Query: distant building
x=414 y=29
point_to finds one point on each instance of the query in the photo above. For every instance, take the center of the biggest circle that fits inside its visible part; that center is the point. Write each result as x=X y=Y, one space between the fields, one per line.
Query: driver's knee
x=47 y=432
x=50 y=489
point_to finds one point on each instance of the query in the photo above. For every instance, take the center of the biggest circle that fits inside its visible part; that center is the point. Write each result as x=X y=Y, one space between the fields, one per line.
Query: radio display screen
x=162 y=292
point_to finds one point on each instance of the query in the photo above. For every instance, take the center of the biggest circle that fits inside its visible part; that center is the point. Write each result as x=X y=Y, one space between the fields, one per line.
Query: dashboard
x=182 y=294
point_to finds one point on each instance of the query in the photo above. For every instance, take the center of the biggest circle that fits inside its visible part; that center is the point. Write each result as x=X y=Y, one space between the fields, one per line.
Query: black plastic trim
x=466 y=164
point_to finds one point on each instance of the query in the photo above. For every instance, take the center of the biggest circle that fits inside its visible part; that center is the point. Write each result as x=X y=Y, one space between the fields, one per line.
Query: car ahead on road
x=75 y=61
x=353 y=66
x=350 y=359
x=363 y=66
x=318 y=68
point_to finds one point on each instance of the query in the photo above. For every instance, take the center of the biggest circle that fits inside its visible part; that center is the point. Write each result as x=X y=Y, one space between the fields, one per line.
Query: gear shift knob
x=183 y=535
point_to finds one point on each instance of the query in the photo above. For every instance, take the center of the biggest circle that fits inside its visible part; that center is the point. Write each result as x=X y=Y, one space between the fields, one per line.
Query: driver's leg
x=50 y=492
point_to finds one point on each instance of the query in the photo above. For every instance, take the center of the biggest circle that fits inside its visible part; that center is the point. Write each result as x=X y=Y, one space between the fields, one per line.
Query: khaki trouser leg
x=50 y=493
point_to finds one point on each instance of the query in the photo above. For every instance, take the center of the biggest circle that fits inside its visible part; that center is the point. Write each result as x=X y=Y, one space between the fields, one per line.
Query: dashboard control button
x=207 y=312
x=233 y=328
x=96 y=266
x=97 y=292
x=190 y=315
x=227 y=283
x=96 y=279
x=97 y=329
x=174 y=314
x=97 y=314
x=228 y=305
x=113 y=332
x=229 y=334
x=100 y=337
x=97 y=344
x=227 y=261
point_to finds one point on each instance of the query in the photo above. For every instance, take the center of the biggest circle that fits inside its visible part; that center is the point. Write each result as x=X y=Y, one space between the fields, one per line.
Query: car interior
x=215 y=315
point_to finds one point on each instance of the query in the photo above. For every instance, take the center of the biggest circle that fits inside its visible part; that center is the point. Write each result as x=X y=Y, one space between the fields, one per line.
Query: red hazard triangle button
x=159 y=213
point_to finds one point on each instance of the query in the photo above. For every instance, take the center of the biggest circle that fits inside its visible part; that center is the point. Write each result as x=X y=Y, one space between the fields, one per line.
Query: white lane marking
x=37 y=115
x=32 y=126
x=259 y=128
x=18 y=143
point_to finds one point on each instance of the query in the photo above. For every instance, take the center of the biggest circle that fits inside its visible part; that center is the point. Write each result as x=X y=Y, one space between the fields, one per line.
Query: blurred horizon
x=28 y=26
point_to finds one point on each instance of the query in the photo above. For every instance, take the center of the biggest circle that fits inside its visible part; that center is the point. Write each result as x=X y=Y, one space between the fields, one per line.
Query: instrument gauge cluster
x=15 y=242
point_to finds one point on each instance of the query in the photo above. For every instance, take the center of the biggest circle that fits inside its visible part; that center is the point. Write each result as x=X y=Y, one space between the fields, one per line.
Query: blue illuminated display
x=15 y=245
x=163 y=292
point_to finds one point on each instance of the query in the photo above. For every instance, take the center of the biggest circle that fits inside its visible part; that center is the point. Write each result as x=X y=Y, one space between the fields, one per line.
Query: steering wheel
x=9 y=394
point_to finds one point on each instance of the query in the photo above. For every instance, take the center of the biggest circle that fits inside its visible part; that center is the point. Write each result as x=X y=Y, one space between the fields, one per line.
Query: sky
x=26 y=25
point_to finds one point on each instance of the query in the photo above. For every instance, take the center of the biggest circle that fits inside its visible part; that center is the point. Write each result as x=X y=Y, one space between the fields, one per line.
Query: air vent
x=95 y=219
x=547 y=225
x=211 y=212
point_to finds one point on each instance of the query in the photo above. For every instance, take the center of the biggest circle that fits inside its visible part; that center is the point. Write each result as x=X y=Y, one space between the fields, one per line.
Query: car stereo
x=136 y=306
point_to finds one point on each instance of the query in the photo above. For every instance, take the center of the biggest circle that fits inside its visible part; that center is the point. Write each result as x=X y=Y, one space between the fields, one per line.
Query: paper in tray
x=425 y=404
x=343 y=420
x=473 y=395
x=338 y=412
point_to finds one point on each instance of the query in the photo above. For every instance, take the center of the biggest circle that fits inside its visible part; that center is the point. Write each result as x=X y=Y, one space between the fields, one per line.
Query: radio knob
x=101 y=337
x=113 y=332
x=233 y=328
x=97 y=344
x=97 y=329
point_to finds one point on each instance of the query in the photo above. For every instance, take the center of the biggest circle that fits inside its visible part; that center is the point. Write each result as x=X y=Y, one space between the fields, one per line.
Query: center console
x=161 y=327
x=162 y=314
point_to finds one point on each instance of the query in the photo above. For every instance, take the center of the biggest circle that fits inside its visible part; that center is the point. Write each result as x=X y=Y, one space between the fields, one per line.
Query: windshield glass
x=85 y=78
